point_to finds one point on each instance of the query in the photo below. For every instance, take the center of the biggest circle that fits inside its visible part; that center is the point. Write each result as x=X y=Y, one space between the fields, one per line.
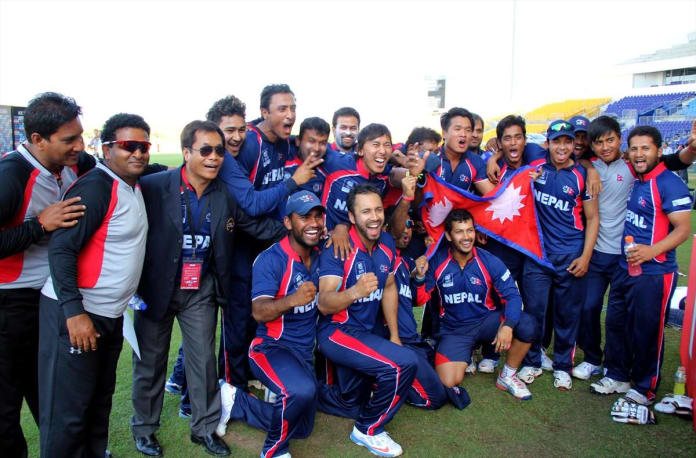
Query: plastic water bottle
x=680 y=381
x=633 y=269
x=137 y=303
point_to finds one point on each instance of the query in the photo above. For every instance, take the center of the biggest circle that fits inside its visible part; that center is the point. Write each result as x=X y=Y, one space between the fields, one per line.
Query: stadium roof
x=682 y=50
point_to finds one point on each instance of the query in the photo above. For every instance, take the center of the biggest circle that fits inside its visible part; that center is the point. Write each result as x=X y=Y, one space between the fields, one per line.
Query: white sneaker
x=608 y=385
x=380 y=444
x=638 y=398
x=487 y=366
x=514 y=386
x=284 y=455
x=562 y=380
x=471 y=368
x=585 y=370
x=227 y=395
x=546 y=362
x=528 y=374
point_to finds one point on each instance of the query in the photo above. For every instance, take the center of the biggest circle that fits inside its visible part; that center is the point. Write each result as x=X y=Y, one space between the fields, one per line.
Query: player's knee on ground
x=527 y=329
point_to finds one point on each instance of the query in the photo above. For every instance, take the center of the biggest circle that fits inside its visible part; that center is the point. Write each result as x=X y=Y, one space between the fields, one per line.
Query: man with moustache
x=658 y=219
x=187 y=272
x=345 y=125
x=95 y=266
x=310 y=143
x=34 y=178
x=350 y=295
x=285 y=280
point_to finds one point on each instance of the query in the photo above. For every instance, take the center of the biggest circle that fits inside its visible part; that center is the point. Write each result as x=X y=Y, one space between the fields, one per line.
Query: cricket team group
x=312 y=255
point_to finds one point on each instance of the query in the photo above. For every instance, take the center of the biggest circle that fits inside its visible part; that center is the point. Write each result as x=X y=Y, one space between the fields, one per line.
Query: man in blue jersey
x=351 y=293
x=311 y=142
x=658 y=218
x=583 y=145
x=427 y=391
x=472 y=283
x=477 y=138
x=459 y=166
x=345 y=125
x=285 y=278
x=561 y=200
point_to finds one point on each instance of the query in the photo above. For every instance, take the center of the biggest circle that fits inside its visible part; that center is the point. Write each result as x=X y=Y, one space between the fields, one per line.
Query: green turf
x=167 y=159
x=554 y=423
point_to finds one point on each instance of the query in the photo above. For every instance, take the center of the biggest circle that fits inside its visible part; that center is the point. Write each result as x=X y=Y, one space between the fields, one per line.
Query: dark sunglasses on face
x=131 y=145
x=409 y=223
x=207 y=150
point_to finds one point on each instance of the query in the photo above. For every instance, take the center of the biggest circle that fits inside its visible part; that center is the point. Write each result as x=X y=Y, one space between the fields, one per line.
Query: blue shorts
x=457 y=346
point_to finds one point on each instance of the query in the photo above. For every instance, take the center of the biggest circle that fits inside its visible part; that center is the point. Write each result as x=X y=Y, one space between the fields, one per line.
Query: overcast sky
x=170 y=60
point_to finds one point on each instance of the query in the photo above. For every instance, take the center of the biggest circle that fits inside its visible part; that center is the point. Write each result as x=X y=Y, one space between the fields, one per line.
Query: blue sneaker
x=172 y=388
x=185 y=413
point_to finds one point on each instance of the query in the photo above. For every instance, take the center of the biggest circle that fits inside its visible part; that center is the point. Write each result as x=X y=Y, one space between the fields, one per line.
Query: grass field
x=553 y=423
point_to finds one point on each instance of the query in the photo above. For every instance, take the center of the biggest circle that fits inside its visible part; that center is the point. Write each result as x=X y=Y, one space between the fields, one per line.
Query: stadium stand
x=566 y=109
x=645 y=105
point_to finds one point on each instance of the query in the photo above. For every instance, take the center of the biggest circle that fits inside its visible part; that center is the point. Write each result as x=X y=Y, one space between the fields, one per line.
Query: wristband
x=409 y=199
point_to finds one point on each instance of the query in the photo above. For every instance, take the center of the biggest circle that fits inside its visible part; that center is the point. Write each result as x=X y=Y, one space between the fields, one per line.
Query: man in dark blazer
x=192 y=220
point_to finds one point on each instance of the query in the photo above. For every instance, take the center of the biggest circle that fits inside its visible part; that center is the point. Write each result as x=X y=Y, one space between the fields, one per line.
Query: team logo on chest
x=475 y=281
x=265 y=159
x=383 y=268
x=298 y=280
x=316 y=187
x=619 y=177
x=360 y=269
x=448 y=281
x=542 y=178
x=463 y=177
x=347 y=185
x=642 y=202
x=568 y=190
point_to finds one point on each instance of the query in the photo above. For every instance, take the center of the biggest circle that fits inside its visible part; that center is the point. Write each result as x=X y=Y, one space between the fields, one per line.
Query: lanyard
x=189 y=215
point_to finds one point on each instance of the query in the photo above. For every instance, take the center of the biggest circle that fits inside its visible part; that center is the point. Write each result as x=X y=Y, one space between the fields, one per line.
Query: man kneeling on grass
x=472 y=284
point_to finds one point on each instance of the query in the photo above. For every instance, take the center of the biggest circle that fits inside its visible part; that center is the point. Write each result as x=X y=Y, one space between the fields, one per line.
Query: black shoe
x=148 y=445
x=213 y=444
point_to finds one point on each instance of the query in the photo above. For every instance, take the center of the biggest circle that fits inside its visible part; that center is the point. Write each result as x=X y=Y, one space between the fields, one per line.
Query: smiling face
x=561 y=150
x=643 y=153
x=62 y=148
x=234 y=128
x=458 y=135
x=376 y=154
x=462 y=236
x=582 y=143
x=280 y=115
x=346 y=132
x=607 y=147
x=312 y=142
x=129 y=166
x=369 y=216
x=306 y=229
x=204 y=168
x=513 y=142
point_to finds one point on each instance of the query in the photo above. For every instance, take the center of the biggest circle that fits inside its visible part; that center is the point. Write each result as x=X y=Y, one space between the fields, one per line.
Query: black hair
x=446 y=119
x=602 y=126
x=227 y=106
x=421 y=134
x=272 y=89
x=458 y=215
x=316 y=124
x=370 y=132
x=509 y=121
x=477 y=118
x=648 y=131
x=188 y=135
x=345 y=111
x=46 y=112
x=119 y=121
x=363 y=188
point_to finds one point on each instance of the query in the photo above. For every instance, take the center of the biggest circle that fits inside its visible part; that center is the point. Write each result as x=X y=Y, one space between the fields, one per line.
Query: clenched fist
x=366 y=284
x=304 y=294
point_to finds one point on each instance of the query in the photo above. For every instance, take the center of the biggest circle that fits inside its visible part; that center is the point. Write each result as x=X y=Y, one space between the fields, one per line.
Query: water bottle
x=633 y=269
x=137 y=303
x=680 y=381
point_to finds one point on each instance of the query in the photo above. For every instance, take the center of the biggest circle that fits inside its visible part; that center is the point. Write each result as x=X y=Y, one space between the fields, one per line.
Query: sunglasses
x=207 y=150
x=562 y=127
x=131 y=145
x=409 y=223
